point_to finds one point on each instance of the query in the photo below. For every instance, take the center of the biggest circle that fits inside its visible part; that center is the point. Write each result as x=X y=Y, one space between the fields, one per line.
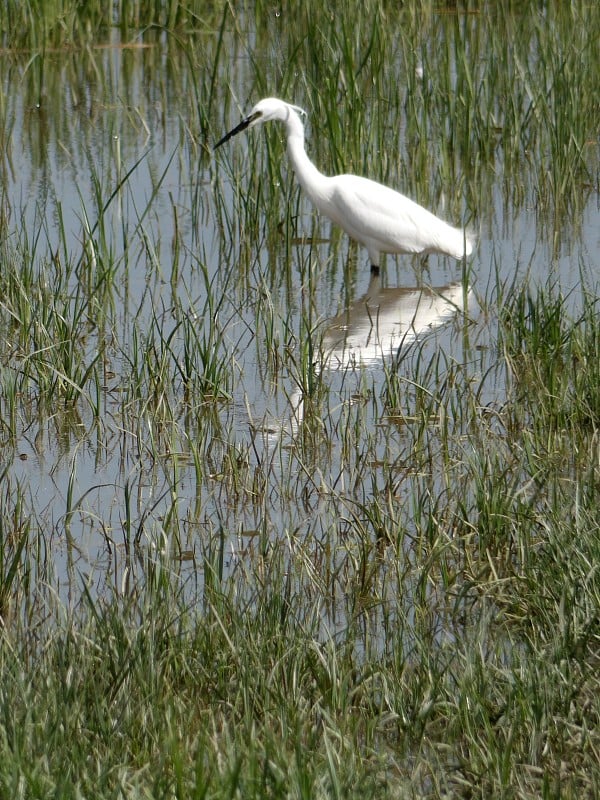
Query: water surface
x=204 y=271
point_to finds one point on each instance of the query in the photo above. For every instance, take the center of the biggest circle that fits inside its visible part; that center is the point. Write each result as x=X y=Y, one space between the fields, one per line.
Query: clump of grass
x=544 y=346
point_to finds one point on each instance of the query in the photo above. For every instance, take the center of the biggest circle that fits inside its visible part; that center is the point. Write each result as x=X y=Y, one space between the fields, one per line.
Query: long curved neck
x=309 y=177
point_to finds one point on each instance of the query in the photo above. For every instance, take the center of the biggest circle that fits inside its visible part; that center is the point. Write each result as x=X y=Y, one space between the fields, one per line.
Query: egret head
x=263 y=111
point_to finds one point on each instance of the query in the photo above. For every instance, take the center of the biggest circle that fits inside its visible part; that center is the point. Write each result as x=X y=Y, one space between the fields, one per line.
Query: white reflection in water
x=376 y=328
x=384 y=320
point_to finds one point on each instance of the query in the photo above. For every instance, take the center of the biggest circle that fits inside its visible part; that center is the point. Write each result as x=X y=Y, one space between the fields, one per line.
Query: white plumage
x=381 y=219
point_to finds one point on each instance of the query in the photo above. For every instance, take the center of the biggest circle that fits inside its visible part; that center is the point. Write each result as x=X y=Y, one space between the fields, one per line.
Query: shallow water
x=273 y=457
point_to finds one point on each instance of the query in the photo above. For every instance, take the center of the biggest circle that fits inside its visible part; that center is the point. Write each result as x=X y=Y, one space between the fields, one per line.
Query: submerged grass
x=389 y=588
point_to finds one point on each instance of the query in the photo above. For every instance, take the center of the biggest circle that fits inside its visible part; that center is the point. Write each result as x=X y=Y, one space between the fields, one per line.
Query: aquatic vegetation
x=269 y=528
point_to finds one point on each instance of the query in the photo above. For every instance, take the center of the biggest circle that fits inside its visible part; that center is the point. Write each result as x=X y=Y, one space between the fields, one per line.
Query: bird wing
x=384 y=219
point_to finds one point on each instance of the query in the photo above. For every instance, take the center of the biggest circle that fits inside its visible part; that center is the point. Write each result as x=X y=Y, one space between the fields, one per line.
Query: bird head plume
x=267 y=109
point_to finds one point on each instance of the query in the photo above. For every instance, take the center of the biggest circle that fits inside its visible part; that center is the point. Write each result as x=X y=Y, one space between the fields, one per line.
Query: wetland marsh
x=270 y=527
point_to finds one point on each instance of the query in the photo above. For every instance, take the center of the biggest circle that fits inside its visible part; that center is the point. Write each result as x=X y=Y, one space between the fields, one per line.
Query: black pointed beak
x=238 y=128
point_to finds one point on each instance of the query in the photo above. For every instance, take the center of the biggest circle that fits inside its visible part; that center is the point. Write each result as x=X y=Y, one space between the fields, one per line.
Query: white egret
x=381 y=219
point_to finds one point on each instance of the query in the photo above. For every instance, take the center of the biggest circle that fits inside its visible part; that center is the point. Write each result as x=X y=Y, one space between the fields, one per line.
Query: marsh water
x=240 y=356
